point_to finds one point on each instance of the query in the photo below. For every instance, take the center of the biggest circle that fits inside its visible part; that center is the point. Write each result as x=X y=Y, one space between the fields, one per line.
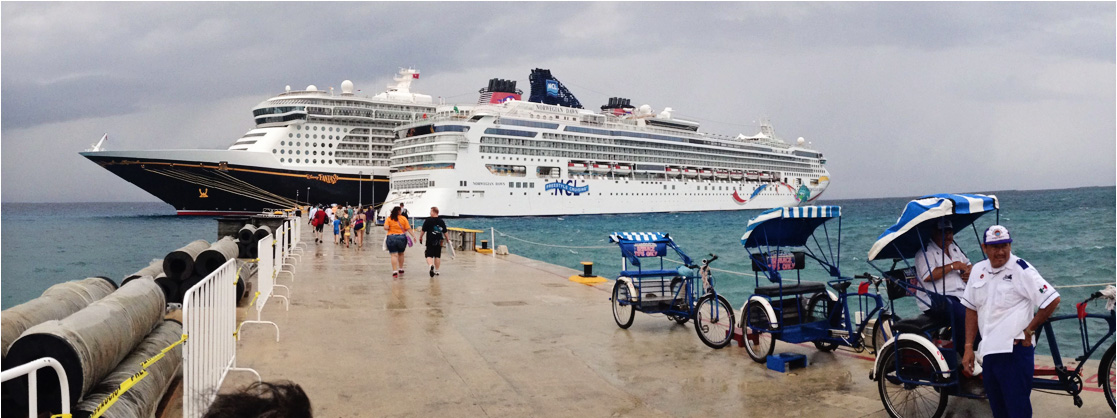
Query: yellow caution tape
x=136 y=378
x=62 y=416
x=254 y=299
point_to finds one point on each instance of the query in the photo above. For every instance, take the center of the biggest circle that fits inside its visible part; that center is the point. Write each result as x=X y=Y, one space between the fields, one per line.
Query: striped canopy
x=619 y=237
x=628 y=242
x=907 y=237
x=783 y=227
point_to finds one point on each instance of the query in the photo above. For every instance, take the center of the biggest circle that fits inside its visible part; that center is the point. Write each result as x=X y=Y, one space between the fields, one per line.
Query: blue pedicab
x=780 y=240
x=918 y=368
x=681 y=294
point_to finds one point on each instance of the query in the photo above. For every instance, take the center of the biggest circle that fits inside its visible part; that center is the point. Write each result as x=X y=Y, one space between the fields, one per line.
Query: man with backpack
x=434 y=230
x=318 y=221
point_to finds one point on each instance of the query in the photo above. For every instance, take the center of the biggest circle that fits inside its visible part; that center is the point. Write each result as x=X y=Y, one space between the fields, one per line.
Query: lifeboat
x=576 y=168
x=736 y=175
x=752 y=175
x=674 y=172
x=706 y=173
x=765 y=177
x=600 y=168
x=690 y=172
x=622 y=169
x=722 y=174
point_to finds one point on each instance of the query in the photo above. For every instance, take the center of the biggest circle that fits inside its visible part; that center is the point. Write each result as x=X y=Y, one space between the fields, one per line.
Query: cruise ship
x=547 y=155
x=307 y=146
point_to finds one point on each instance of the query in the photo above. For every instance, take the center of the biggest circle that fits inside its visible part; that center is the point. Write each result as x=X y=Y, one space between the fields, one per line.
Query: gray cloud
x=881 y=88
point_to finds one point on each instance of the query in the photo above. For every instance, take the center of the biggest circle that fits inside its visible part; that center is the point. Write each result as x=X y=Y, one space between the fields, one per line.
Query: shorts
x=433 y=251
x=396 y=243
x=318 y=227
x=359 y=226
x=337 y=227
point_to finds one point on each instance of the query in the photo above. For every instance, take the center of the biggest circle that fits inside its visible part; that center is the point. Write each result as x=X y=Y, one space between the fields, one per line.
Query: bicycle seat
x=841 y=286
x=919 y=324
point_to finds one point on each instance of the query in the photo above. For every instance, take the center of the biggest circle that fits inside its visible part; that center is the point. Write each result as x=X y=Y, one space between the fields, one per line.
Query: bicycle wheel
x=757 y=326
x=818 y=309
x=882 y=332
x=1106 y=375
x=903 y=400
x=622 y=305
x=713 y=321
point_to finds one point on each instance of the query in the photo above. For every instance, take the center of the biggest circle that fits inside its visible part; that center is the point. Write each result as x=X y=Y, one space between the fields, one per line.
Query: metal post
x=492 y=240
x=308 y=195
x=360 y=188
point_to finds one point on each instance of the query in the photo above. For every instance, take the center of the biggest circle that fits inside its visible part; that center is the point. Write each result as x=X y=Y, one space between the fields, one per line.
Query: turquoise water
x=1069 y=235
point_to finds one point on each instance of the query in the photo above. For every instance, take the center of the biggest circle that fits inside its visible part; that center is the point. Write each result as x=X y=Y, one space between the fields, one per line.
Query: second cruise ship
x=549 y=156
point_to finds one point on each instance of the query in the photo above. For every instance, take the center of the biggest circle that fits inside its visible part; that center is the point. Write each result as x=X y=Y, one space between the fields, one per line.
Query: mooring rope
x=504 y=234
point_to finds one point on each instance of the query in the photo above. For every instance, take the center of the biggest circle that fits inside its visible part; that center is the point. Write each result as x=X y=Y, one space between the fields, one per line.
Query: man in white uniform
x=944 y=269
x=1001 y=299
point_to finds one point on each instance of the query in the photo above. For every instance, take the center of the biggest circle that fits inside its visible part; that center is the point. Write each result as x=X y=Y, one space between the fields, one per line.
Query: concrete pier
x=513 y=337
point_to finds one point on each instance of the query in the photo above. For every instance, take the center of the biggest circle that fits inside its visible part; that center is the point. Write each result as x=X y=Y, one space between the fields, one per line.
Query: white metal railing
x=281 y=252
x=209 y=320
x=31 y=369
x=265 y=285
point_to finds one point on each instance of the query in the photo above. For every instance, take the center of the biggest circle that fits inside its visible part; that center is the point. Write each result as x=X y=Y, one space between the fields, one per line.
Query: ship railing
x=31 y=370
x=209 y=322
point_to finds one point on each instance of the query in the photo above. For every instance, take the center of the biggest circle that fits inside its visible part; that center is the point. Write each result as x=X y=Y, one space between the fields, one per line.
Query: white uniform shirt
x=951 y=284
x=1006 y=300
x=330 y=214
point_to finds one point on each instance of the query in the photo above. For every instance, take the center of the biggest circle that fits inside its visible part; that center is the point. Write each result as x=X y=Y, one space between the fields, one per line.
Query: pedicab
x=682 y=294
x=919 y=367
x=780 y=240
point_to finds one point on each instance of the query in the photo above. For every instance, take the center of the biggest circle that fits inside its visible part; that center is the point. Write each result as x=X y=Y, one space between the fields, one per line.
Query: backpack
x=434 y=237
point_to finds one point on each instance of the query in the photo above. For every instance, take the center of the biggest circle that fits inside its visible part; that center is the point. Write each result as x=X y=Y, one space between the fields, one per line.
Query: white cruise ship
x=548 y=156
x=307 y=146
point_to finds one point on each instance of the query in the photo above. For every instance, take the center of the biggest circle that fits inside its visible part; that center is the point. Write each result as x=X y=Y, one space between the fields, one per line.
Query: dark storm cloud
x=935 y=80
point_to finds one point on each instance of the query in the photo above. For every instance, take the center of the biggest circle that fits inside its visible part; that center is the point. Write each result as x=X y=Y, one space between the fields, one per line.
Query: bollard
x=484 y=244
x=587 y=269
x=587 y=277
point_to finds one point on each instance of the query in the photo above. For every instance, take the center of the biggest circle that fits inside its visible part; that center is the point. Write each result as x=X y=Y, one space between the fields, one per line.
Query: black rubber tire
x=1105 y=375
x=624 y=320
x=923 y=364
x=722 y=322
x=818 y=309
x=756 y=316
x=882 y=332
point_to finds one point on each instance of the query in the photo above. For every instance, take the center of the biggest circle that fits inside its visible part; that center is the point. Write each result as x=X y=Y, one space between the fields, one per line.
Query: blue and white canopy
x=787 y=227
x=907 y=237
x=619 y=237
x=637 y=245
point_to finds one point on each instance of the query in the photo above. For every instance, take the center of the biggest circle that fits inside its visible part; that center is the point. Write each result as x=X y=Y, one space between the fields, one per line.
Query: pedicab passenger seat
x=792 y=289
x=920 y=324
x=649 y=273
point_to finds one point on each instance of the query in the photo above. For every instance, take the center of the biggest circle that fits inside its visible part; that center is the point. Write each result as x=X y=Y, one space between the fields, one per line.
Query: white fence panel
x=209 y=319
x=31 y=369
x=265 y=285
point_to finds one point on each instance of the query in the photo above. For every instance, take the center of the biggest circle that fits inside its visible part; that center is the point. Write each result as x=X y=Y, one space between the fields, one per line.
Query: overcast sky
x=903 y=98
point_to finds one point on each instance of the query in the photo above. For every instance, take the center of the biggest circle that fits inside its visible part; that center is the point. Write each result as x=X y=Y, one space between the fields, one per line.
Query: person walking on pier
x=359 y=228
x=434 y=229
x=319 y=221
x=1001 y=299
x=398 y=230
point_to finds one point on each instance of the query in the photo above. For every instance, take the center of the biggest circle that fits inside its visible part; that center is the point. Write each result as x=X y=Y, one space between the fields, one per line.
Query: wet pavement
x=513 y=337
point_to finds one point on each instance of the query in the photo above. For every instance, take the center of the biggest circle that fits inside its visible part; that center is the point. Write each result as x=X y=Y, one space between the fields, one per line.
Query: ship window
x=298 y=152
x=298 y=135
x=273 y=150
x=316 y=128
x=316 y=161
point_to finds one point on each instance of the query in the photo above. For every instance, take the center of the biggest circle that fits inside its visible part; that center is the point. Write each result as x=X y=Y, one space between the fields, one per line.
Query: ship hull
x=499 y=196
x=217 y=182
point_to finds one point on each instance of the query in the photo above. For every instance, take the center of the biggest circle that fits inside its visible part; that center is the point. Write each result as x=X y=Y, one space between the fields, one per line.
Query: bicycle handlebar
x=710 y=260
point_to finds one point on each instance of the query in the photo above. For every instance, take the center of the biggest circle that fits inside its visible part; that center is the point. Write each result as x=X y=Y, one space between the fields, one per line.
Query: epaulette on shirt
x=1023 y=264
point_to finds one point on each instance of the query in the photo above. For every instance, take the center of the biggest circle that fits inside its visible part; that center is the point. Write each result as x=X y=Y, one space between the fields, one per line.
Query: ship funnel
x=499 y=91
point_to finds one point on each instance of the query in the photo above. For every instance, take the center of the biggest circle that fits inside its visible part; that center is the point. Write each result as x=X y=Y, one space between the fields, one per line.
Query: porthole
x=282 y=151
x=316 y=128
x=282 y=143
x=280 y=160
x=290 y=135
x=316 y=161
x=315 y=152
x=298 y=152
x=298 y=135
x=273 y=150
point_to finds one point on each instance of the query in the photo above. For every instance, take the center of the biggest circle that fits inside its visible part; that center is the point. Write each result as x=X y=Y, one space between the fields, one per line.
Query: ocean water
x=1069 y=235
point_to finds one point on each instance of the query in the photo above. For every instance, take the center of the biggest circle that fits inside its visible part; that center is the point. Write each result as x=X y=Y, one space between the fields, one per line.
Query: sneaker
x=436 y=272
x=432 y=271
x=400 y=271
x=395 y=274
